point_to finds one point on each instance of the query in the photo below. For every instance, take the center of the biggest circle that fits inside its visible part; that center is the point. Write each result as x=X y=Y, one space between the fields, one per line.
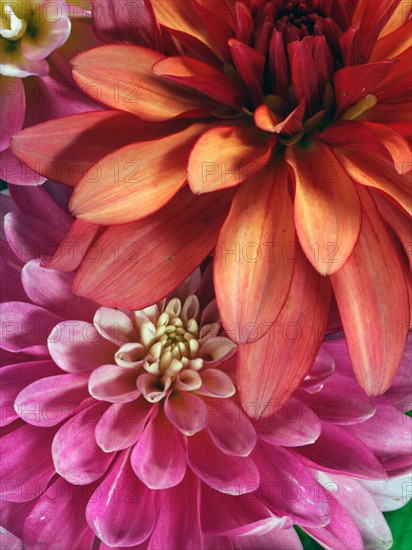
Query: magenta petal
x=23 y=477
x=53 y=399
x=288 y=487
x=362 y=508
x=390 y=494
x=338 y=451
x=114 y=384
x=237 y=515
x=14 y=378
x=293 y=425
x=122 y=425
x=30 y=237
x=187 y=412
x=52 y=290
x=159 y=457
x=229 y=428
x=76 y=346
x=8 y=541
x=341 y=401
x=76 y=455
x=122 y=512
x=389 y=435
x=177 y=523
x=274 y=540
x=58 y=519
x=10 y=271
x=25 y=325
x=341 y=532
x=227 y=474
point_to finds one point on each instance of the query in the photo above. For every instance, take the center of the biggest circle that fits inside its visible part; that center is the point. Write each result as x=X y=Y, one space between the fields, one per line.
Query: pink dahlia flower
x=123 y=428
x=249 y=125
x=37 y=40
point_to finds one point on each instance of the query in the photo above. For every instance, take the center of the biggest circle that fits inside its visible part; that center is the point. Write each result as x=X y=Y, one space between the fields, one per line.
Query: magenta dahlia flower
x=123 y=428
x=288 y=121
x=37 y=40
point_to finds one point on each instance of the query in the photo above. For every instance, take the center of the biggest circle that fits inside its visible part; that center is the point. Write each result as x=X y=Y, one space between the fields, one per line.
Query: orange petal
x=252 y=269
x=137 y=264
x=134 y=181
x=225 y=156
x=120 y=76
x=180 y=15
x=271 y=369
x=396 y=144
x=265 y=119
x=373 y=301
x=377 y=172
x=327 y=208
x=64 y=149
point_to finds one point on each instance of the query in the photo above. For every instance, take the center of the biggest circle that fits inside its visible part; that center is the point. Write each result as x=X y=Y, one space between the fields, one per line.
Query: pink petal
x=216 y=383
x=30 y=237
x=177 y=522
x=362 y=508
x=16 y=377
x=274 y=540
x=238 y=515
x=186 y=412
x=288 y=486
x=122 y=425
x=26 y=478
x=390 y=494
x=76 y=346
x=340 y=401
x=389 y=435
x=230 y=429
x=25 y=325
x=115 y=325
x=227 y=474
x=53 y=399
x=114 y=384
x=159 y=457
x=76 y=455
x=44 y=527
x=337 y=451
x=293 y=425
x=114 y=519
x=52 y=290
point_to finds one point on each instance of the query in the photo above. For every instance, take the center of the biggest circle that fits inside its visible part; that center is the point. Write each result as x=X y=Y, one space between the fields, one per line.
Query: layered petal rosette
x=123 y=429
x=273 y=132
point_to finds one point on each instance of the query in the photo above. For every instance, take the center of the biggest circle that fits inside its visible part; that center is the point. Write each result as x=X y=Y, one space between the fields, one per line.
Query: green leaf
x=400 y=522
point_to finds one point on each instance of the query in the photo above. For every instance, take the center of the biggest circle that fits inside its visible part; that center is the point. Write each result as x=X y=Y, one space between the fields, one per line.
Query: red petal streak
x=120 y=76
x=135 y=265
x=268 y=379
x=252 y=274
x=135 y=181
x=250 y=65
x=203 y=78
x=327 y=208
x=64 y=149
x=225 y=156
x=373 y=301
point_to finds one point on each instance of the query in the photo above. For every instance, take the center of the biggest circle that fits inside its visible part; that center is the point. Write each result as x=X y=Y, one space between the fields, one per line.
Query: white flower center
x=11 y=27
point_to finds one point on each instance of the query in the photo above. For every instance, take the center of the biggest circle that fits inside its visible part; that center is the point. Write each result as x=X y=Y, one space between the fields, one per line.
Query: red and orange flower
x=283 y=118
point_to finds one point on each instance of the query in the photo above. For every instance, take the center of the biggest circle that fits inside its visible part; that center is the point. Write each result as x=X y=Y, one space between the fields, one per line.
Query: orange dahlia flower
x=259 y=129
